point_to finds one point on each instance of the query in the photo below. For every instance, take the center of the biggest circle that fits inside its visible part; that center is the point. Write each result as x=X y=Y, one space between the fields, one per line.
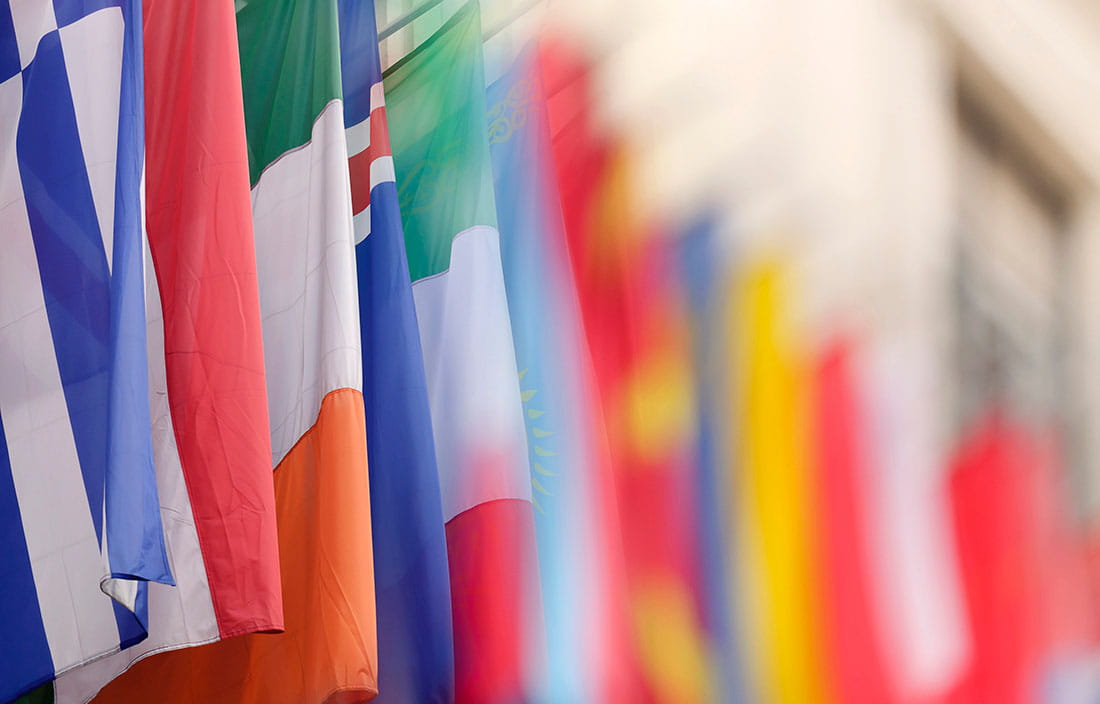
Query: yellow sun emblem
x=538 y=438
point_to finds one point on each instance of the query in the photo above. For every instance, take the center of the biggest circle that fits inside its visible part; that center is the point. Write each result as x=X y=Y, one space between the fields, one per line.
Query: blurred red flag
x=1021 y=563
x=854 y=655
x=636 y=326
x=576 y=150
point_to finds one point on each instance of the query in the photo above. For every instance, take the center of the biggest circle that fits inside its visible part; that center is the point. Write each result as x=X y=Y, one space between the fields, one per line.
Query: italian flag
x=435 y=98
x=301 y=211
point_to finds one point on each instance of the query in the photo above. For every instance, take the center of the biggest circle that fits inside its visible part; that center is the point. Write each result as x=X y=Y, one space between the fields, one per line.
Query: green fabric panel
x=435 y=104
x=290 y=69
x=42 y=695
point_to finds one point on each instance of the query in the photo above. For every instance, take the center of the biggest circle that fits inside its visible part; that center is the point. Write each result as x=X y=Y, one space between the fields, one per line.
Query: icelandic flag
x=416 y=662
x=79 y=517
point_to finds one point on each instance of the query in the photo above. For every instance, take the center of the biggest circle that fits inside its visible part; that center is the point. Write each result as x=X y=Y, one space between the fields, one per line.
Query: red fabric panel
x=359 y=170
x=855 y=659
x=359 y=164
x=379 y=132
x=199 y=222
x=490 y=548
x=1021 y=562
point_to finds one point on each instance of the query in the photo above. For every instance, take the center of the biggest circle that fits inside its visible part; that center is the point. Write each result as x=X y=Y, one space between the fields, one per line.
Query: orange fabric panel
x=328 y=652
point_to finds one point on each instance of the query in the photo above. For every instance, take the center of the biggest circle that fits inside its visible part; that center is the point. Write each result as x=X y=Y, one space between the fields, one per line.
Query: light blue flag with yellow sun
x=550 y=352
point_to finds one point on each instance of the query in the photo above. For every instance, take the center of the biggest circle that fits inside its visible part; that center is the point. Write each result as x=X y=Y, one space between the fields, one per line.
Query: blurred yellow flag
x=773 y=497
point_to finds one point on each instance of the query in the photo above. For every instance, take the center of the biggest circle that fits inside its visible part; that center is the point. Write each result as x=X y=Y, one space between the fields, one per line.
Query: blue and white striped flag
x=80 y=527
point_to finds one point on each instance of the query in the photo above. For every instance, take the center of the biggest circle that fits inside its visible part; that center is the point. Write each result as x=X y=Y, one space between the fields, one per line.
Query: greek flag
x=79 y=521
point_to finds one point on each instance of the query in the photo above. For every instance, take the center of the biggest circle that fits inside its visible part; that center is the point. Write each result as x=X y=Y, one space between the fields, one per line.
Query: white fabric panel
x=359 y=137
x=301 y=210
x=377 y=96
x=124 y=591
x=473 y=384
x=65 y=554
x=381 y=171
x=179 y=616
x=11 y=186
x=32 y=19
x=93 y=57
x=914 y=565
x=361 y=224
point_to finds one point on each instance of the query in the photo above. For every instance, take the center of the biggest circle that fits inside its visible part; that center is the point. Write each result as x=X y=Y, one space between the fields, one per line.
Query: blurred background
x=888 y=218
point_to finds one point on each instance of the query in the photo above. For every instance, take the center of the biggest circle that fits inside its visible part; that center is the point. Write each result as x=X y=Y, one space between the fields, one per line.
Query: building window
x=1010 y=281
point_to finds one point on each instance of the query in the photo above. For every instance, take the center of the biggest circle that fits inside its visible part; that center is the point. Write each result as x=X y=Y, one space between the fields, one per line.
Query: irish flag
x=301 y=209
x=436 y=102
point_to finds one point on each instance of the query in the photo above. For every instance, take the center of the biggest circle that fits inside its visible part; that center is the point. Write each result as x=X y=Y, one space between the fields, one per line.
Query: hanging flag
x=636 y=329
x=416 y=661
x=81 y=528
x=913 y=562
x=775 y=508
x=854 y=654
x=435 y=97
x=1019 y=561
x=301 y=209
x=703 y=273
x=649 y=405
x=205 y=357
x=579 y=545
x=562 y=75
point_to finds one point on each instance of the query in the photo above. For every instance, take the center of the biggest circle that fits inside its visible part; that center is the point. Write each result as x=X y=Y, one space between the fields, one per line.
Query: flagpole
x=512 y=17
x=406 y=19
x=409 y=17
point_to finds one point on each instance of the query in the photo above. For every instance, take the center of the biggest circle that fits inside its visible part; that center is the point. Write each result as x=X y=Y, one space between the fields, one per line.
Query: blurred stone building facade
x=931 y=168
x=935 y=165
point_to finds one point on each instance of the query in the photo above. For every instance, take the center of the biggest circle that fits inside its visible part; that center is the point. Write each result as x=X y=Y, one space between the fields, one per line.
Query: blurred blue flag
x=702 y=274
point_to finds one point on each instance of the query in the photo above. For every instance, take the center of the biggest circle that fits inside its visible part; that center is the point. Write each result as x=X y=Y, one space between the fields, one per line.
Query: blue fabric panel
x=69 y=11
x=9 y=47
x=25 y=660
x=360 y=65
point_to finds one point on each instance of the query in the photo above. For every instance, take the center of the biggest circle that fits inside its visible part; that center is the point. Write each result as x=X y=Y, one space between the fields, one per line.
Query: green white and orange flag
x=301 y=209
x=435 y=98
